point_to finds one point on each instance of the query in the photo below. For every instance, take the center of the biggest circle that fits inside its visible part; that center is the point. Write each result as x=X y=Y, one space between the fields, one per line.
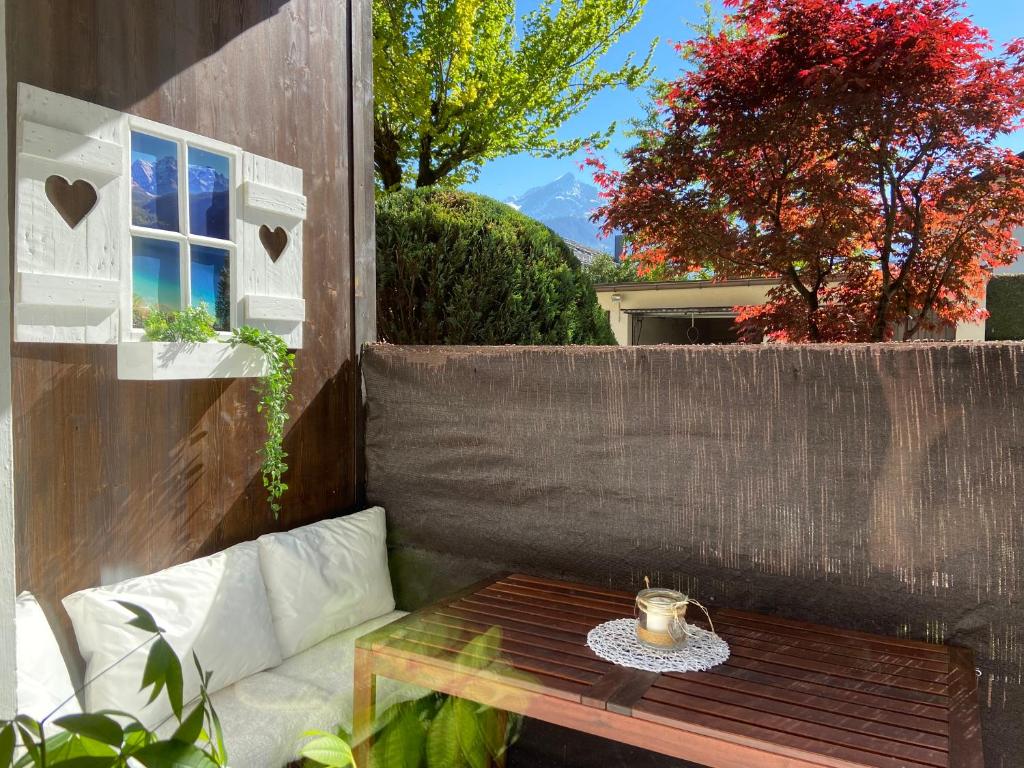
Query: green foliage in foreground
x=1005 y=304
x=436 y=731
x=458 y=268
x=192 y=324
x=110 y=739
x=275 y=391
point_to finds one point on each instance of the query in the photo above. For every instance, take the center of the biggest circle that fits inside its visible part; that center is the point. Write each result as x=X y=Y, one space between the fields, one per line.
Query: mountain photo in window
x=154 y=182
x=156 y=277
x=208 y=175
x=211 y=283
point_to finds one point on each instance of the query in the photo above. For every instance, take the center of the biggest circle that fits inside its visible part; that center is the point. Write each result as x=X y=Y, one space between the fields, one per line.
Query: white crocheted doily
x=616 y=641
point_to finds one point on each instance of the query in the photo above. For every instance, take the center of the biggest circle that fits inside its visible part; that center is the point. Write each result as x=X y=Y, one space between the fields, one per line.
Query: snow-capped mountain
x=565 y=205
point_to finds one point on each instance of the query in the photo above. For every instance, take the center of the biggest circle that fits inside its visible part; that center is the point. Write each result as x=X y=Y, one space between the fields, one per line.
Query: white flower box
x=164 y=360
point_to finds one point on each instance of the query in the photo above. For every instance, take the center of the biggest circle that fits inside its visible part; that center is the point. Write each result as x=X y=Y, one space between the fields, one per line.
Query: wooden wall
x=119 y=478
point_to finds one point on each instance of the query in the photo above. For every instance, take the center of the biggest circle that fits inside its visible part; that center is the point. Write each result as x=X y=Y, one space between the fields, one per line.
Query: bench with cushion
x=274 y=620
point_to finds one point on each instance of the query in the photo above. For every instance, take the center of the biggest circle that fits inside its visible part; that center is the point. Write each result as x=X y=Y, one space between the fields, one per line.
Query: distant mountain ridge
x=565 y=205
x=155 y=193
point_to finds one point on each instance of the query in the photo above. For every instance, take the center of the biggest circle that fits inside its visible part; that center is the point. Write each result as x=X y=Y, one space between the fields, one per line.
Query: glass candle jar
x=661 y=618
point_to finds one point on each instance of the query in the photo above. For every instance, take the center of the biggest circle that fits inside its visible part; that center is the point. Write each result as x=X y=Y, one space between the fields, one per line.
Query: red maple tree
x=845 y=148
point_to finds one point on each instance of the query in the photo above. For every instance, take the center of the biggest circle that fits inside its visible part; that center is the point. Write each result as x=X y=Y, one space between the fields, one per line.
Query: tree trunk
x=385 y=157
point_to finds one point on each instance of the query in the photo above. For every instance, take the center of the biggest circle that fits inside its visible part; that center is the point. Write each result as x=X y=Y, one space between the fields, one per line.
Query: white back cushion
x=43 y=682
x=216 y=606
x=326 y=577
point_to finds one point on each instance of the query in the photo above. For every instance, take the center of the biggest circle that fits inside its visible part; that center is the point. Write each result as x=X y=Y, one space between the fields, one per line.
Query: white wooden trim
x=261 y=198
x=81 y=155
x=275 y=308
x=67 y=137
x=67 y=291
x=8 y=589
x=272 y=197
x=153 y=361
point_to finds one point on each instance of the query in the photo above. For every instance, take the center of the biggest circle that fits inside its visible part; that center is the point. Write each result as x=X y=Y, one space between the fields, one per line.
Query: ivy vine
x=275 y=394
x=196 y=325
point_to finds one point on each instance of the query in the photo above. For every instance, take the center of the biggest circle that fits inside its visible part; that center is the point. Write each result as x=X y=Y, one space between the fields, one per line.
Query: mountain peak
x=565 y=205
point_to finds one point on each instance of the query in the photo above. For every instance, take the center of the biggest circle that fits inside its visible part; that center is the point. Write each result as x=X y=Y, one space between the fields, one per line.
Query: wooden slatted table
x=792 y=694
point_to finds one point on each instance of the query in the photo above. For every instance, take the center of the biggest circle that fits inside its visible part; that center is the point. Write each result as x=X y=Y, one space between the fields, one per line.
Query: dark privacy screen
x=876 y=487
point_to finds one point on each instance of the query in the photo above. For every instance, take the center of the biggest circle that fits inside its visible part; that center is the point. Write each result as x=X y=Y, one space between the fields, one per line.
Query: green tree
x=459 y=82
x=458 y=268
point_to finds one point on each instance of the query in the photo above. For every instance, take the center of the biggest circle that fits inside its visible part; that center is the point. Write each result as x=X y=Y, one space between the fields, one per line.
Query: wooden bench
x=791 y=695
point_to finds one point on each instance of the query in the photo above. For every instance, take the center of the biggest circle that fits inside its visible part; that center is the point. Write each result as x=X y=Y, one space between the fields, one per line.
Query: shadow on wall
x=874 y=487
x=179 y=34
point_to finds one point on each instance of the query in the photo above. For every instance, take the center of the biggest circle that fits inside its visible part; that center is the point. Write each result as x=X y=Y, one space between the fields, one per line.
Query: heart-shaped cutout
x=72 y=201
x=274 y=240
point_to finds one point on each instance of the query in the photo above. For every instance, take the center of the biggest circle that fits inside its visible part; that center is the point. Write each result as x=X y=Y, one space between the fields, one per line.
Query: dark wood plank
x=787 y=668
x=842 y=705
x=886 y=706
x=672 y=716
x=965 y=748
x=620 y=689
x=761 y=705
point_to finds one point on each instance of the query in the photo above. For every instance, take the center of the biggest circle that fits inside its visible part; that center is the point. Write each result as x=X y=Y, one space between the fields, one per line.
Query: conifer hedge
x=459 y=268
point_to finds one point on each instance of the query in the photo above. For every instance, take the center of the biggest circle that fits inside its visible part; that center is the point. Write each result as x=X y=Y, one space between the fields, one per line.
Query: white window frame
x=183 y=238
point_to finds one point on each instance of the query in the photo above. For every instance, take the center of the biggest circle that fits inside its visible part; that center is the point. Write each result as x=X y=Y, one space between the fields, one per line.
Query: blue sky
x=666 y=20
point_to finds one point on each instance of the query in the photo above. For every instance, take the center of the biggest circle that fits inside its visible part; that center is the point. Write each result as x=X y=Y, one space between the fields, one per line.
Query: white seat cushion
x=43 y=683
x=264 y=716
x=216 y=606
x=326 y=577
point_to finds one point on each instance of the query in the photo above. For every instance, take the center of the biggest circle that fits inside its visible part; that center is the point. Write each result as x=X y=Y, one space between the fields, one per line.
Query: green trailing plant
x=109 y=739
x=197 y=325
x=275 y=394
x=192 y=324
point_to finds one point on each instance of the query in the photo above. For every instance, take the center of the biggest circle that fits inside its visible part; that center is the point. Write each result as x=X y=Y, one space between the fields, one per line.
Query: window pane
x=156 y=277
x=154 y=182
x=211 y=283
x=208 y=175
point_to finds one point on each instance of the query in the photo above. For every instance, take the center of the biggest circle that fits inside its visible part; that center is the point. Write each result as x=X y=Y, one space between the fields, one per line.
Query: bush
x=458 y=268
x=1005 y=304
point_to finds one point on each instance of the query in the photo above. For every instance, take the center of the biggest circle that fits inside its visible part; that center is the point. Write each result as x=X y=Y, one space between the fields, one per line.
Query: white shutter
x=273 y=209
x=68 y=278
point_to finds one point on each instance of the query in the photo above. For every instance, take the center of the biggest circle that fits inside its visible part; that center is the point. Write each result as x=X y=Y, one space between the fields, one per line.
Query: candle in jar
x=661 y=618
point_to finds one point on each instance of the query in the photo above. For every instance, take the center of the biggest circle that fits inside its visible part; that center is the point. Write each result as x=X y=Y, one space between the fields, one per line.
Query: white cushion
x=264 y=716
x=215 y=606
x=326 y=577
x=43 y=683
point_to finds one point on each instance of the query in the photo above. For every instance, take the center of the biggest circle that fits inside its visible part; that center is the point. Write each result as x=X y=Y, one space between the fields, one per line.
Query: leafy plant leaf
x=191 y=728
x=173 y=754
x=327 y=749
x=96 y=727
x=163 y=670
x=442 y=740
x=400 y=744
x=470 y=734
x=7 y=738
x=482 y=651
x=143 y=619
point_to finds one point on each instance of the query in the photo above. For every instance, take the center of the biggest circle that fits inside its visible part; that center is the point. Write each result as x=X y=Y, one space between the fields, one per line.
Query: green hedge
x=458 y=268
x=1005 y=303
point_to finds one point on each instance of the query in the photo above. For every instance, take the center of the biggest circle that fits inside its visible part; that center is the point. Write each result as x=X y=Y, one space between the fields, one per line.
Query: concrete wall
x=876 y=487
x=732 y=293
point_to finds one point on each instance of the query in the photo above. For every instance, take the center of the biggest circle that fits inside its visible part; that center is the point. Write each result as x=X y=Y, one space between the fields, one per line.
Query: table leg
x=363 y=703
